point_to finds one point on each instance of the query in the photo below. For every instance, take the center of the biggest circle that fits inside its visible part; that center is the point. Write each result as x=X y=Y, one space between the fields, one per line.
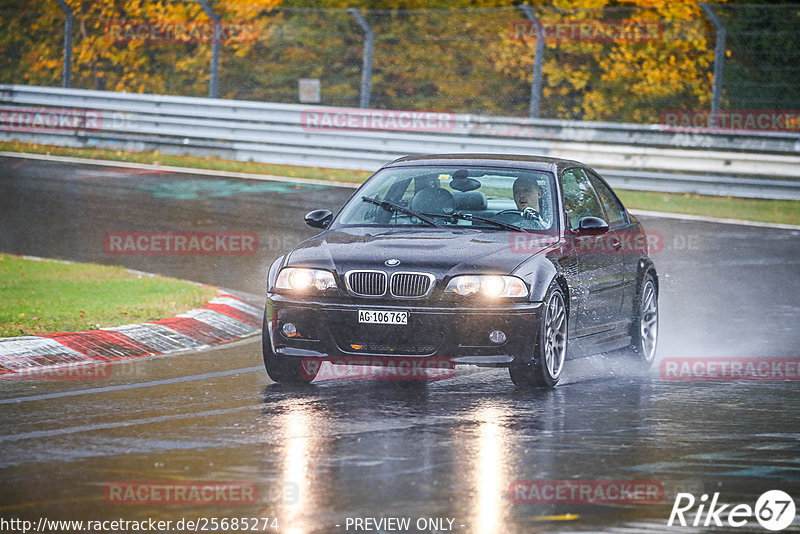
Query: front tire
x=286 y=370
x=644 y=338
x=550 y=350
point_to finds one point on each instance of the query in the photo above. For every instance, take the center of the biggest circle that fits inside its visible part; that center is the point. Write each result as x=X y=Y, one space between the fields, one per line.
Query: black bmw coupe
x=491 y=260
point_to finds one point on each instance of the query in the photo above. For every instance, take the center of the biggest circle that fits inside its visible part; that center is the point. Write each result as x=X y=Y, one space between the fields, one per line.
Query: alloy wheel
x=555 y=335
x=648 y=325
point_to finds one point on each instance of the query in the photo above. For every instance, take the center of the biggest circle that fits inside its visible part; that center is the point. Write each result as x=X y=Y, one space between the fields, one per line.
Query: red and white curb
x=222 y=319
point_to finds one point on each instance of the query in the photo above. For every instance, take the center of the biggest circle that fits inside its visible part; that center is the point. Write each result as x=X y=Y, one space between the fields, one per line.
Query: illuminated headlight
x=489 y=285
x=302 y=279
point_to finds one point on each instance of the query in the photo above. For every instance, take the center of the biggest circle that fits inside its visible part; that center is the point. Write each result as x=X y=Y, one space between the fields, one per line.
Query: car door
x=631 y=242
x=598 y=292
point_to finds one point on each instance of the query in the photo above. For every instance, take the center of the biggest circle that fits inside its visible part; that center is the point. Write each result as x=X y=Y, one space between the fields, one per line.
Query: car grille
x=367 y=283
x=387 y=339
x=415 y=349
x=411 y=285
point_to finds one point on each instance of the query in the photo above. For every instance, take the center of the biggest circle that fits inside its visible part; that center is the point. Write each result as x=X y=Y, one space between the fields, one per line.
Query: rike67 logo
x=774 y=510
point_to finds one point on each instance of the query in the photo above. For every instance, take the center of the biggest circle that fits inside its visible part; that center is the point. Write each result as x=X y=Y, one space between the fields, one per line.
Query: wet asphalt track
x=367 y=448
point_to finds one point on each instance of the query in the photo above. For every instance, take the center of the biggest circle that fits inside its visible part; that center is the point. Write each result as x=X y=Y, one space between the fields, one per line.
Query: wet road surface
x=447 y=449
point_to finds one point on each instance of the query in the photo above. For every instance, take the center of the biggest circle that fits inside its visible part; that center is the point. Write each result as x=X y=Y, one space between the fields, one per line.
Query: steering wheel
x=527 y=213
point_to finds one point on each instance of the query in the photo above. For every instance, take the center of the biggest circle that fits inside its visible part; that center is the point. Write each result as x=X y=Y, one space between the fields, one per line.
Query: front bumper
x=330 y=331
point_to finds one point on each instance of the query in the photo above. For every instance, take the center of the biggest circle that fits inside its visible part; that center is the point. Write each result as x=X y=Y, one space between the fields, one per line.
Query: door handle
x=614 y=243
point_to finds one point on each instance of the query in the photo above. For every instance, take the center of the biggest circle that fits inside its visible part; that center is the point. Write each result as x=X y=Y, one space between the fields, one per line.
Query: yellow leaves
x=580 y=80
x=618 y=80
x=580 y=4
x=128 y=65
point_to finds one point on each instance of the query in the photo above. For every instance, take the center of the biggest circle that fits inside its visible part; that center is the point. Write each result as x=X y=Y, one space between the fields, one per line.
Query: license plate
x=382 y=317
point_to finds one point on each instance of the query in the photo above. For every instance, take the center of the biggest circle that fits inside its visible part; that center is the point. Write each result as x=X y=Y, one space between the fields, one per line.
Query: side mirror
x=319 y=218
x=592 y=226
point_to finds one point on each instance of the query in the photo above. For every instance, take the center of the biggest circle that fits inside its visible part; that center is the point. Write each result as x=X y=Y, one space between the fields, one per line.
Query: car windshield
x=476 y=197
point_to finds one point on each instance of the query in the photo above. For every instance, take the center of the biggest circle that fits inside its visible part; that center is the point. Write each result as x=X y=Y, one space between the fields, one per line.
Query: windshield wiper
x=428 y=217
x=471 y=217
x=391 y=206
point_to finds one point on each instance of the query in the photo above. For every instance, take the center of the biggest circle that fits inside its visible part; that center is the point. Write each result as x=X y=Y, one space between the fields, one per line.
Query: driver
x=527 y=196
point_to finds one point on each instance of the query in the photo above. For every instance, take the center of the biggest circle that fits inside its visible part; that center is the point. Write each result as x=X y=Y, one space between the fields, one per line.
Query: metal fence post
x=66 y=71
x=213 y=82
x=719 y=55
x=366 y=69
x=538 y=62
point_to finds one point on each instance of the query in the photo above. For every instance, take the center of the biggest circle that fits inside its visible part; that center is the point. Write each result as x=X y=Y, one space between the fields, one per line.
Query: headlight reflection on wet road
x=490 y=478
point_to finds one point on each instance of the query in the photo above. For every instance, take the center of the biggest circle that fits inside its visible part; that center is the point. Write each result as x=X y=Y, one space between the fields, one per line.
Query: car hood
x=442 y=252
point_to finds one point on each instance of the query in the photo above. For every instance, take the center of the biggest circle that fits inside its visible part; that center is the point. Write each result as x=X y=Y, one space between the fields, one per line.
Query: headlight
x=490 y=285
x=303 y=279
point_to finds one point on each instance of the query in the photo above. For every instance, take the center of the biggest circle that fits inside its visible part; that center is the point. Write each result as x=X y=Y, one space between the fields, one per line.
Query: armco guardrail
x=642 y=157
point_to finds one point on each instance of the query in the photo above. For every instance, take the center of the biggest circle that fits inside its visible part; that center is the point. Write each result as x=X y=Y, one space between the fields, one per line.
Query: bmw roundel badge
x=392 y=262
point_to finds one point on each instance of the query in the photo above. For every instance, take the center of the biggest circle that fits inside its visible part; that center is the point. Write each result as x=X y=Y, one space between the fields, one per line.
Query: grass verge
x=749 y=209
x=42 y=297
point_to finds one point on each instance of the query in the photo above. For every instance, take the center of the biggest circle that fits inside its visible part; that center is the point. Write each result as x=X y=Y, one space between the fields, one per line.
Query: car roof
x=541 y=163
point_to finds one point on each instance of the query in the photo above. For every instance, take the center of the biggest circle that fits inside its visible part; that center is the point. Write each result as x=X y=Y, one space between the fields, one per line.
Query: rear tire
x=644 y=330
x=286 y=369
x=550 y=351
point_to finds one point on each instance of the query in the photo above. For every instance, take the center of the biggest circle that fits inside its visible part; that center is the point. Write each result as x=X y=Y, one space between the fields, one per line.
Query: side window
x=613 y=208
x=580 y=199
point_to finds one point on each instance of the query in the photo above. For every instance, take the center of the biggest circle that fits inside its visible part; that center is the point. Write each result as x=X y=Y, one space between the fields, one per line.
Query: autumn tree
x=629 y=78
x=102 y=60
